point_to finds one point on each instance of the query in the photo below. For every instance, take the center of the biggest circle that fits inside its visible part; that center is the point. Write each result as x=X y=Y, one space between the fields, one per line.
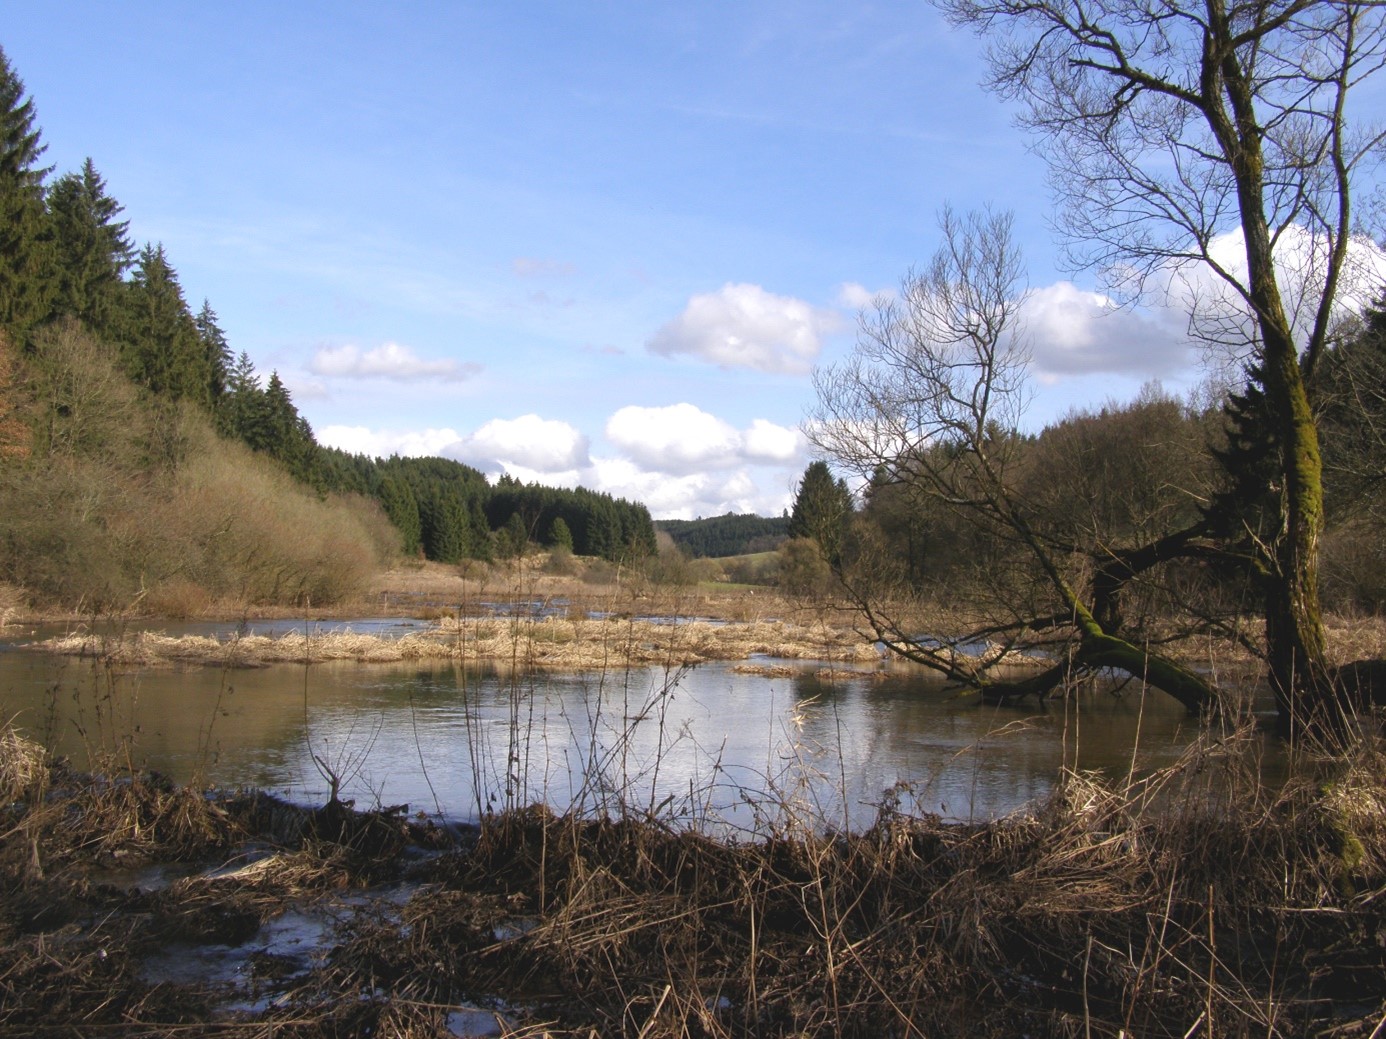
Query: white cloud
x=529 y=442
x=743 y=326
x=769 y=443
x=382 y=443
x=682 y=438
x=679 y=438
x=388 y=361
x=855 y=296
x=1075 y=332
x=695 y=494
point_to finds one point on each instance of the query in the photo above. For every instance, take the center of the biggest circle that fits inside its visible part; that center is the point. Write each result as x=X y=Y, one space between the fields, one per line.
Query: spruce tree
x=239 y=412
x=161 y=347
x=27 y=282
x=560 y=537
x=216 y=350
x=92 y=250
x=822 y=508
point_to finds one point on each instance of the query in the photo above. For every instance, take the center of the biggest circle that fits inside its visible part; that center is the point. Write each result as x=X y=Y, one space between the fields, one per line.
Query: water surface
x=704 y=743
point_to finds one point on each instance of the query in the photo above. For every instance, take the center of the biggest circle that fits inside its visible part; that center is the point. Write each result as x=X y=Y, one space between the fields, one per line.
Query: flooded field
x=709 y=743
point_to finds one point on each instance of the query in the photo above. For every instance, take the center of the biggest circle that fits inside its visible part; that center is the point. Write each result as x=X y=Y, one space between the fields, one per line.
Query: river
x=707 y=744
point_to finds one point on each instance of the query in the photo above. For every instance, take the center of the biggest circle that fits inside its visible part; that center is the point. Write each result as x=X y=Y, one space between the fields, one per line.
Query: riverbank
x=135 y=908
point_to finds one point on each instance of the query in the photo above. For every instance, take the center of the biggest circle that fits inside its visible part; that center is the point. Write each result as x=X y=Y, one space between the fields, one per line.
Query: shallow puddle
x=254 y=972
x=474 y=1023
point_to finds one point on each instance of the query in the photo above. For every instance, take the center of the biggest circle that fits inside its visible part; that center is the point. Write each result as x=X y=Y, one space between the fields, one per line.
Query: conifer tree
x=821 y=510
x=161 y=347
x=27 y=284
x=216 y=350
x=239 y=411
x=92 y=250
x=560 y=536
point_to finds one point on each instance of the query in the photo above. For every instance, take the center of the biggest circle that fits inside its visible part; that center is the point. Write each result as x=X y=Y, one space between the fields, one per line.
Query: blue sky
x=597 y=243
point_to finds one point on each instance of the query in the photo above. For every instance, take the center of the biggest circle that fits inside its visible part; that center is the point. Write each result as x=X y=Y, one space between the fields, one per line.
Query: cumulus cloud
x=1076 y=332
x=389 y=361
x=743 y=326
x=382 y=443
x=855 y=296
x=766 y=442
x=535 y=444
x=692 y=495
x=682 y=438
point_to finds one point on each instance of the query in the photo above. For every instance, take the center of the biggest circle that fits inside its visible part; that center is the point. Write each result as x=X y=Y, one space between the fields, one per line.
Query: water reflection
x=707 y=742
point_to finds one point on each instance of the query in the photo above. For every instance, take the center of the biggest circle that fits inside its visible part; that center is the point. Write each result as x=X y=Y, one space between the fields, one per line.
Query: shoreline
x=134 y=907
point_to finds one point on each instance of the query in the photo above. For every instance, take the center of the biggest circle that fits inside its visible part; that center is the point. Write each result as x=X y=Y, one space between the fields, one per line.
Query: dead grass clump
x=22 y=764
x=1192 y=901
x=1197 y=901
x=580 y=643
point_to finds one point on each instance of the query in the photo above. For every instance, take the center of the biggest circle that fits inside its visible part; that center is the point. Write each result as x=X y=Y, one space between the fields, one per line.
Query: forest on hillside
x=730 y=535
x=143 y=459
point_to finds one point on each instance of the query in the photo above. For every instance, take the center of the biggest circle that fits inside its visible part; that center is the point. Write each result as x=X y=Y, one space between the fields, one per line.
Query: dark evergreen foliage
x=598 y=524
x=216 y=349
x=92 y=249
x=717 y=537
x=822 y=510
x=161 y=347
x=28 y=282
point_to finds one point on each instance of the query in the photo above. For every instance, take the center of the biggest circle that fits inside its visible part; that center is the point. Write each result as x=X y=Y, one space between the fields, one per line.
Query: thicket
x=120 y=500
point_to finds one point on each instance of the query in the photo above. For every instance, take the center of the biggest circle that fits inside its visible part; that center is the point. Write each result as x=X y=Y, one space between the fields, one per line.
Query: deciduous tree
x=1169 y=127
x=931 y=400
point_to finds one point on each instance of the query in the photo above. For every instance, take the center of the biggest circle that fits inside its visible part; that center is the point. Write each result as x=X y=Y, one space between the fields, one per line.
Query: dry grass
x=1199 y=902
x=21 y=765
x=551 y=643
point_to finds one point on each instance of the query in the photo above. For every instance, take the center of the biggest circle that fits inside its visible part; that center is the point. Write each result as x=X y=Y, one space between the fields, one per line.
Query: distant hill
x=729 y=535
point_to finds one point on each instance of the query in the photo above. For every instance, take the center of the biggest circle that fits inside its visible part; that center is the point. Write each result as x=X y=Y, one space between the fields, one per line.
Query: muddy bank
x=131 y=907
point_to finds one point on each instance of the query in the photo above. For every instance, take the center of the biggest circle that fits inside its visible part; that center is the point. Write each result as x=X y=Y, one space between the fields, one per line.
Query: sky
x=600 y=243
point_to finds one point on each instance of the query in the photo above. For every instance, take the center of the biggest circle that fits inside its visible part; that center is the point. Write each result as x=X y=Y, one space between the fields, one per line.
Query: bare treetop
x=1167 y=124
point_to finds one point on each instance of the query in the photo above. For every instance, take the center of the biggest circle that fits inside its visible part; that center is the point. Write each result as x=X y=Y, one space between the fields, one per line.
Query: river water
x=705 y=744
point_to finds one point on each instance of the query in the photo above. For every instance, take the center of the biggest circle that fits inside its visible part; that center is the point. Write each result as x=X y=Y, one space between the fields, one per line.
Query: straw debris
x=1198 y=901
x=545 y=643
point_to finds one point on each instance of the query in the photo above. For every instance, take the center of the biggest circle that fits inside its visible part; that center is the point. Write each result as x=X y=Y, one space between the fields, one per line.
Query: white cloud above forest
x=389 y=361
x=382 y=443
x=535 y=444
x=682 y=439
x=744 y=326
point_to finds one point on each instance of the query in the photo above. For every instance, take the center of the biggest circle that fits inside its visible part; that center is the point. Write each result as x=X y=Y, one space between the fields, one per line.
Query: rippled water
x=706 y=743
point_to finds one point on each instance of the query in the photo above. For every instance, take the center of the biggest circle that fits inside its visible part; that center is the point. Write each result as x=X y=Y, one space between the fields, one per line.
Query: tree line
x=66 y=258
x=717 y=537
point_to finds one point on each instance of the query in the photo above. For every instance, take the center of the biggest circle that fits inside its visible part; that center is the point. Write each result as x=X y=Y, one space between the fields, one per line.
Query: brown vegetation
x=125 y=506
x=1199 y=902
x=548 y=643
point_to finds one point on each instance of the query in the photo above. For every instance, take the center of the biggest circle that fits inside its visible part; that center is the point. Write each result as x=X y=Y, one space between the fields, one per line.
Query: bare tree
x=1168 y=124
x=930 y=401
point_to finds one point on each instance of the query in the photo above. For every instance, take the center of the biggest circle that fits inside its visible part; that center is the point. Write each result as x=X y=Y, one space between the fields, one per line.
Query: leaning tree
x=929 y=403
x=1172 y=128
